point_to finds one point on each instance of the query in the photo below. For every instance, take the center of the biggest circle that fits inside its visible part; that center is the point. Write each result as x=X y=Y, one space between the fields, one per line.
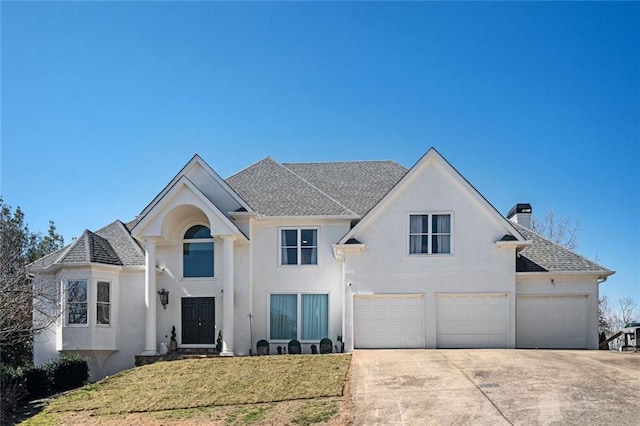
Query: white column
x=227 y=296
x=150 y=298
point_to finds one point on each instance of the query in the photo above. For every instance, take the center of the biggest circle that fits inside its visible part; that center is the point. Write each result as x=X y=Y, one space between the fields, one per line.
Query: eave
x=339 y=250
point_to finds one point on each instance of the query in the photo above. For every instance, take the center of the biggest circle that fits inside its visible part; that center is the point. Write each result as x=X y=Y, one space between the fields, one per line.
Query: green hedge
x=12 y=388
x=57 y=375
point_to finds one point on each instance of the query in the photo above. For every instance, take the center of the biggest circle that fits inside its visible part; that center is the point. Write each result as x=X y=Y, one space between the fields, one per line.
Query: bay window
x=77 y=302
x=103 y=303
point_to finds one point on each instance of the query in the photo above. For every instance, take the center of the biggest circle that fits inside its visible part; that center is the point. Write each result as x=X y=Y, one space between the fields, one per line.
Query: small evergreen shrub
x=69 y=372
x=263 y=347
x=38 y=382
x=294 y=347
x=326 y=346
x=13 y=388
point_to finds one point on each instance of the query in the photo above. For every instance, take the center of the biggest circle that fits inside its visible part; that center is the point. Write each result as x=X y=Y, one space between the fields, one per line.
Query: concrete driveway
x=496 y=387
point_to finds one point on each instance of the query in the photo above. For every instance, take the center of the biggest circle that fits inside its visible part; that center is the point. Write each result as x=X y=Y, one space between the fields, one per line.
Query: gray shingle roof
x=90 y=248
x=544 y=255
x=111 y=245
x=125 y=247
x=274 y=190
x=357 y=185
x=315 y=189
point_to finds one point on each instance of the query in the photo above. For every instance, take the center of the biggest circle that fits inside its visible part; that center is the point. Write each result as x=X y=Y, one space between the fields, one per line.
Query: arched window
x=197 y=252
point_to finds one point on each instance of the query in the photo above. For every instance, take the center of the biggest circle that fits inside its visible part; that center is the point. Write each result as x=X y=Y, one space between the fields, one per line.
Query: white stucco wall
x=269 y=276
x=476 y=265
x=550 y=284
x=111 y=348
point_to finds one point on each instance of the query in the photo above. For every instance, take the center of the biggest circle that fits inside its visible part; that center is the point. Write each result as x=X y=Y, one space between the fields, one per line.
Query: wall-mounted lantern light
x=164 y=298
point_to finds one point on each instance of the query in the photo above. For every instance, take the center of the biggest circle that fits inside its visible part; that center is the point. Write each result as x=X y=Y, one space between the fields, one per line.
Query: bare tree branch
x=561 y=231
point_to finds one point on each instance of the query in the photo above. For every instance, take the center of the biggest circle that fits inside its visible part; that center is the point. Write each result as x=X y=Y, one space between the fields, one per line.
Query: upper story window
x=430 y=234
x=76 y=302
x=299 y=247
x=197 y=252
x=103 y=303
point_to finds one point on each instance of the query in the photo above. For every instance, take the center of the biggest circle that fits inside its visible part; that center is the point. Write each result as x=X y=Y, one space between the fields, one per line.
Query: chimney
x=521 y=214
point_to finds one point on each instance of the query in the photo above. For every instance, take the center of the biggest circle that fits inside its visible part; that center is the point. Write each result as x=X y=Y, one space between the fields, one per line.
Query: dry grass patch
x=178 y=388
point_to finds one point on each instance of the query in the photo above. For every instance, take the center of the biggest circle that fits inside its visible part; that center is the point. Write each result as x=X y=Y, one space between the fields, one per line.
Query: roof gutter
x=602 y=275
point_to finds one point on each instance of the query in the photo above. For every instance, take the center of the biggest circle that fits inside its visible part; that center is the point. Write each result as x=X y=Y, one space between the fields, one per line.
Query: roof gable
x=209 y=183
x=432 y=160
x=183 y=193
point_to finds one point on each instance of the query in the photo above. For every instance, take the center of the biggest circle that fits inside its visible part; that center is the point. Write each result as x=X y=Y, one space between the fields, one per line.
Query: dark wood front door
x=198 y=320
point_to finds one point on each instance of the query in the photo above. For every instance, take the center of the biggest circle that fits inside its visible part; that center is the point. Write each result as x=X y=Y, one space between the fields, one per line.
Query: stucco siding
x=269 y=276
x=565 y=285
x=475 y=265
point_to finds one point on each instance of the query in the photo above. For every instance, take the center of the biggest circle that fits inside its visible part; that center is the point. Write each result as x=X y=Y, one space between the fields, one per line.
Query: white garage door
x=472 y=320
x=388 y=321
x=552 y=322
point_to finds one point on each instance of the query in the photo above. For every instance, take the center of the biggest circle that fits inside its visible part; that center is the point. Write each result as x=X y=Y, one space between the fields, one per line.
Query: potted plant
x=263 y=347
x=326 y=346
x=294 y=347
x=219 y=341
x=173 y=345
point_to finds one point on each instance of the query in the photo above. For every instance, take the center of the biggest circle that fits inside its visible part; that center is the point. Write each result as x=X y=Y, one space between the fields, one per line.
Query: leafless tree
x=605 y=315
x=26 y=307
x=628 y=311
x=563 y=231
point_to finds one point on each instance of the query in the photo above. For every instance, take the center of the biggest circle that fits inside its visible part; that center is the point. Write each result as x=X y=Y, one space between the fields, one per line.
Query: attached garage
x=388 y=321
x=472 y=320
x=552 y=321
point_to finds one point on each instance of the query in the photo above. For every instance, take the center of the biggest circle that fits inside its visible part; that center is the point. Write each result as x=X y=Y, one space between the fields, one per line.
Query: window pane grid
x=430 y=234
x=77 y=302
x=418 y=234
x=198 y=253
x=103 y=305
x=299 y=316
x=299 y=247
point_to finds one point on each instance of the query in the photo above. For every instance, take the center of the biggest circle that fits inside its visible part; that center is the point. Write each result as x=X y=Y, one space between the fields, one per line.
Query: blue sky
x=103 y=103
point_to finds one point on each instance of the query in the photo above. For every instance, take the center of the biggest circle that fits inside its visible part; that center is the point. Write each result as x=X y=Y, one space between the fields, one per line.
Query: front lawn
x=239 y=390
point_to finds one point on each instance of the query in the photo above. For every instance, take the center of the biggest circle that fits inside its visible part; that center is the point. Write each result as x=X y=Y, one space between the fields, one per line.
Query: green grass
x=315 y=412
x=179 y=388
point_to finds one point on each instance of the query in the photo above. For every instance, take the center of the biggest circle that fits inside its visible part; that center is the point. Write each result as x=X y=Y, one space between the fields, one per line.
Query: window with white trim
x=298 y=316
x=103 y=303
x=430 y=233
x=77 y=302
x=197 y=252
x=299 y=246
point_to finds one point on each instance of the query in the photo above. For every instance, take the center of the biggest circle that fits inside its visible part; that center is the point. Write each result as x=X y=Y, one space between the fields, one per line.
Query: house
x=382 y=256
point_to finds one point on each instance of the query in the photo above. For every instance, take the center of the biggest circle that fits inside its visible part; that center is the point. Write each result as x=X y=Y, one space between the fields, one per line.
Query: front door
x=198 y=320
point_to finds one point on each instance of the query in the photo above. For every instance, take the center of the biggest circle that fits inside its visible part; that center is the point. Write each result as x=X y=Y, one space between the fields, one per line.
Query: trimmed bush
x=69 y=372
x=38 y=382
x=326 y=346
x=13 y=388
x=294 y=347
x=263 y=347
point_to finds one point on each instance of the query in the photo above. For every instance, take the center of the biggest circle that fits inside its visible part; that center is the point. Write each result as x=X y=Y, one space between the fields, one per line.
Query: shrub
x=38 y=382
x=326 y=346
x=263 y=347
x=12 y=388
x=68 y=372
x=294 y=347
